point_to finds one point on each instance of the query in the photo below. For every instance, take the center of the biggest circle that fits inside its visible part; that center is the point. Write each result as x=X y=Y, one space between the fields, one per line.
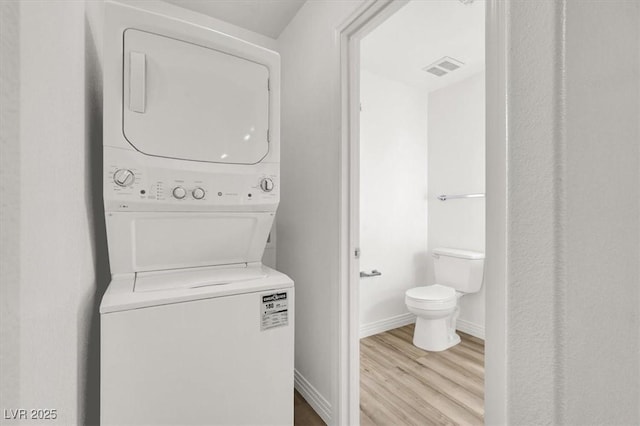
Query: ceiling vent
x=443 y=66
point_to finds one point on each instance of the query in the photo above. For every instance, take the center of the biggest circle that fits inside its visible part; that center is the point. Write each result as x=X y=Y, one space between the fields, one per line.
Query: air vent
x=448 y=65
x=436 y=71
x=443 y=66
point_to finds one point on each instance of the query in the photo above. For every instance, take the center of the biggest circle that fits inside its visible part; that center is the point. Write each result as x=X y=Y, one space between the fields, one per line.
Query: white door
x=190 y=102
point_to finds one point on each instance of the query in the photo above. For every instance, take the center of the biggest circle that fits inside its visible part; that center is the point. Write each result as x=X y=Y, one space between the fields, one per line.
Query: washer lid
x=434 y=292
x=196 y=277
x=123 y=293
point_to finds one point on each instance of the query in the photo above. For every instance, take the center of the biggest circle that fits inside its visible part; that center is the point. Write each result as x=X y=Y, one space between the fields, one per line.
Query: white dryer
x=194 y=329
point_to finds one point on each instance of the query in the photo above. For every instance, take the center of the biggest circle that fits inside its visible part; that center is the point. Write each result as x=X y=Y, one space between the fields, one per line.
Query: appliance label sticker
x=274 y=310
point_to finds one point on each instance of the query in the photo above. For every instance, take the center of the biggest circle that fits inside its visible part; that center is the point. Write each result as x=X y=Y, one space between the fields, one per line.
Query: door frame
x=364 y=20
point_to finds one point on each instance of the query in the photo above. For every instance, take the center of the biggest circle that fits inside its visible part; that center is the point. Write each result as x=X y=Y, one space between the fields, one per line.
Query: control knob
x=179 y=192
x=124 y=177
x=266 y=185
x=198 y=193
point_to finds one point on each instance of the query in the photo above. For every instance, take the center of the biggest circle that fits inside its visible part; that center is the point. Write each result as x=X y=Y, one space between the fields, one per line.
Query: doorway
x=365 y=161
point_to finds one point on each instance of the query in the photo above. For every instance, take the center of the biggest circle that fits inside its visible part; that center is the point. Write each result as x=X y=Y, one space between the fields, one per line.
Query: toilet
x=458 y=272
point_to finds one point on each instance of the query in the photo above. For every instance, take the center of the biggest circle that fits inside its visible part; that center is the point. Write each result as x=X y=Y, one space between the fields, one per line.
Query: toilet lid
x=432 y=292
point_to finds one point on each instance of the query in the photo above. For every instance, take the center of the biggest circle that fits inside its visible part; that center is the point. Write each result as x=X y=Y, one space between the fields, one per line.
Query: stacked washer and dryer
x=194 y=328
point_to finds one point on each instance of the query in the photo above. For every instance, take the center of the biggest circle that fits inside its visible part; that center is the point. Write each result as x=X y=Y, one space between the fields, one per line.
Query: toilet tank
x=461 y=269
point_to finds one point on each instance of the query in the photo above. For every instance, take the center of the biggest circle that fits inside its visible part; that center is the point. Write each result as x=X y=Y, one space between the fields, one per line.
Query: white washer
x=179 y=350
x=195 y=330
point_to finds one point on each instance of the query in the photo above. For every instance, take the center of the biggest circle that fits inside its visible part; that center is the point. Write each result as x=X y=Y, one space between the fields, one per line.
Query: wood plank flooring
x=404 y=385
x=303 y=414
x=401 y=384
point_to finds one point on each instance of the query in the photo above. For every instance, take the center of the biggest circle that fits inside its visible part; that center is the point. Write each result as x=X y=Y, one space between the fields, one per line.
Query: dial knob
x=266 y=185
x=179 y=192
x=198 y=193
x=124 y=177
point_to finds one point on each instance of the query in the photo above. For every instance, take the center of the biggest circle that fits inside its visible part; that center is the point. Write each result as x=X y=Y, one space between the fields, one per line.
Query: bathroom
x=422 y=136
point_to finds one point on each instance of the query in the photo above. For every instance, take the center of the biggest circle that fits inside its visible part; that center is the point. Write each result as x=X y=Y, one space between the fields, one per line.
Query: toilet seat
x=433 y=297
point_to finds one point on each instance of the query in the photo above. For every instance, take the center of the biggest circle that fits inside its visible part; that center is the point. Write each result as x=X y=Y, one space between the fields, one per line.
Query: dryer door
x=190 y=102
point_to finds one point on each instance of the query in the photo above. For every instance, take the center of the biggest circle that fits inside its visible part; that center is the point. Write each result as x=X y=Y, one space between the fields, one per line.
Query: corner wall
x=55 y=252
x=573 y=209
x=457 y=166
x=308 y=217
x=533 y=253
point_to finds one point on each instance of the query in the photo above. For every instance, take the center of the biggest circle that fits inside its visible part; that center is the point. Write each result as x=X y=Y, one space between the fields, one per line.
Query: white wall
x=600 y=215
x=52 y=218
x=9 y=204
x=393 y=199
x=570 y=299
x=456 y=123
x=55 y=272
x=263 y=17
x=308 y=217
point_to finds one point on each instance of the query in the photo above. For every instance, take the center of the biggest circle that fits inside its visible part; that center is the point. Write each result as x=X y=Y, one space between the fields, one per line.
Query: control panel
x=132 y=187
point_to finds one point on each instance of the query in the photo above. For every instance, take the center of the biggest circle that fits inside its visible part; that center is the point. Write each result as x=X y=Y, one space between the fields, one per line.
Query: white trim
x=497 y=189
x=364 y=19
x=314 y=398
x=386 y=324
x=471 y=328
x=401 y=320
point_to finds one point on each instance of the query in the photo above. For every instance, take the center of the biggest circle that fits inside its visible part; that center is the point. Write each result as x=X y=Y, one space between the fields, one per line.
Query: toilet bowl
x=436 y=306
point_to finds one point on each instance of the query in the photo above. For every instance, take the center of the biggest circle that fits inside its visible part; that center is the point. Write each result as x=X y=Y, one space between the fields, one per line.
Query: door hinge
x=269 y=84
x=268 y=136
x=356 y=253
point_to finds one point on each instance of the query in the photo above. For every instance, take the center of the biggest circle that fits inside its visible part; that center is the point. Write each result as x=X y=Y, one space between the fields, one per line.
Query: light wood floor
x=401 y=384
x=404 y=385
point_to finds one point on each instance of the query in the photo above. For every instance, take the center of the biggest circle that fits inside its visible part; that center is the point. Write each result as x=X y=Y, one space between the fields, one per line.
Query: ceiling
x=266 y=17
x=422 y=32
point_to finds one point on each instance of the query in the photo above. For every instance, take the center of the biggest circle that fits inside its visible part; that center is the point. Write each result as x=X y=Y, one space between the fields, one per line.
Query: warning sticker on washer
x=274 y=310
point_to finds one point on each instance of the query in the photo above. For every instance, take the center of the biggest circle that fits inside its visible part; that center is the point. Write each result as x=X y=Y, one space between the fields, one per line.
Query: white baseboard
x=471 y=328
x=315 y=399
x=386 y=324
